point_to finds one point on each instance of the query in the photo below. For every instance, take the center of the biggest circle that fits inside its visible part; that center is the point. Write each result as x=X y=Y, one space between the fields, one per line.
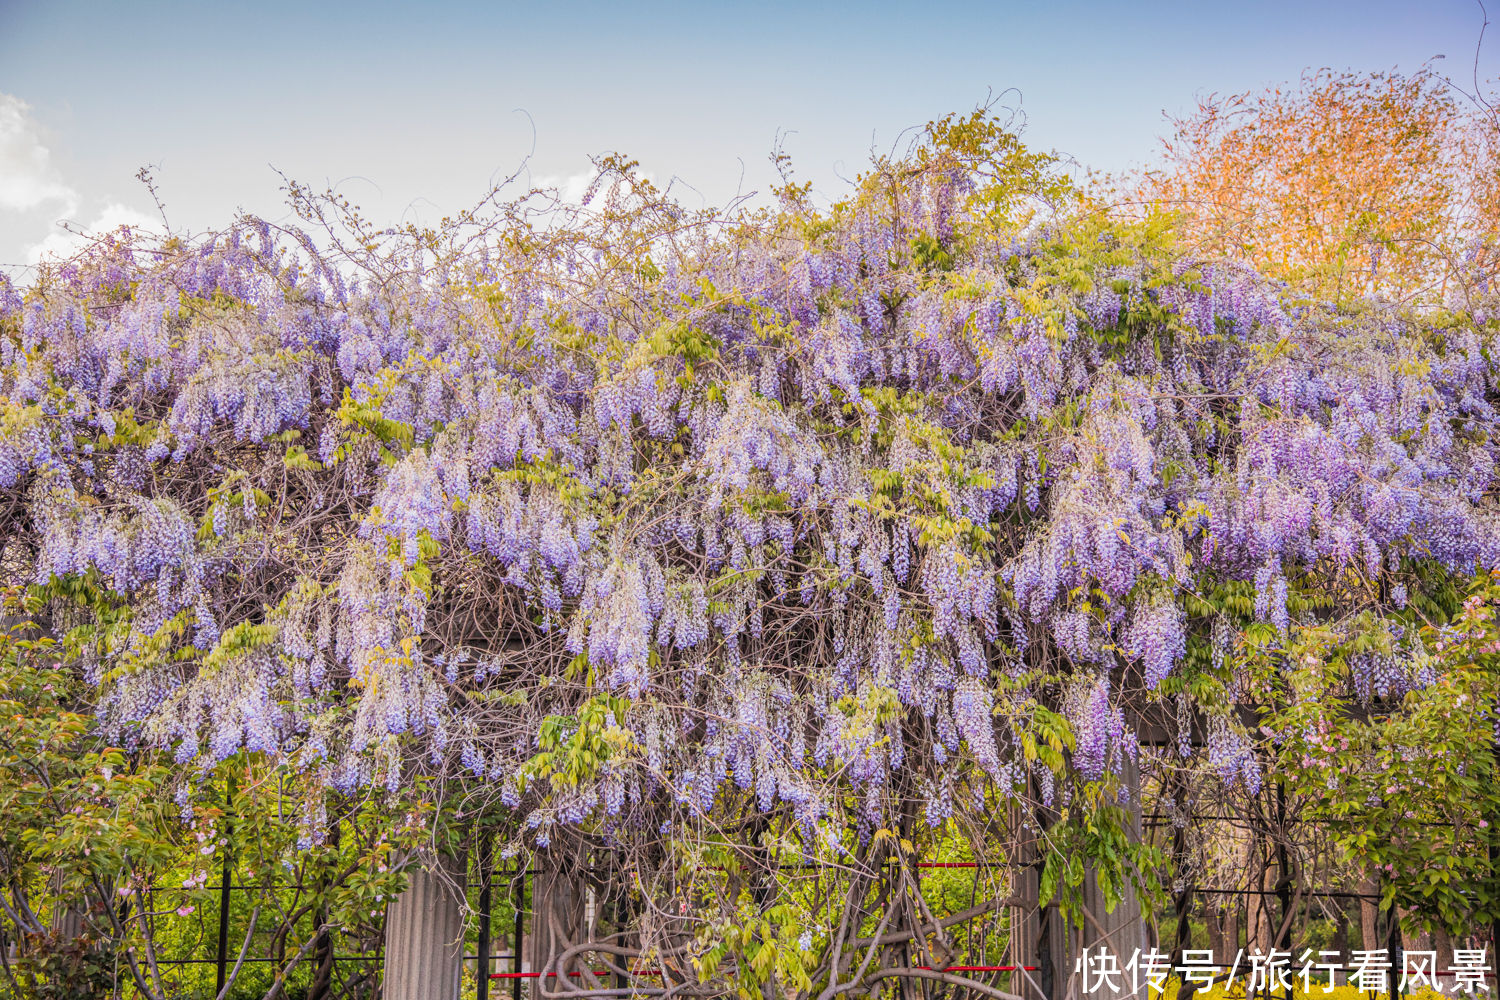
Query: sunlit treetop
x=1346 y=185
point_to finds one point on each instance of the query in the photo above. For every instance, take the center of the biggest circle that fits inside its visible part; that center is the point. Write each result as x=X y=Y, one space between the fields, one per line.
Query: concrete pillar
x=1123 y=931
x=557 y=918
x=1039 y=936
x=424 y=933
x=1054 y=953
x=1025 y=920
x=66 y=922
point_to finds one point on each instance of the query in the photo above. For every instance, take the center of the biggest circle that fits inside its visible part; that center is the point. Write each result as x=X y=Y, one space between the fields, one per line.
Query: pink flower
x=183 y=911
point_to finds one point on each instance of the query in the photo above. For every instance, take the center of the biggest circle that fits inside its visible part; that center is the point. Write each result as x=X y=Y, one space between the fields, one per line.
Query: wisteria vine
x=625 y=519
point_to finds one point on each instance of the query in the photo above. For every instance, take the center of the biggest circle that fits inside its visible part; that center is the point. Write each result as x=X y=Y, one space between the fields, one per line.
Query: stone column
x=1123 y=931
x=557 y=920
x=424 y=933
x=66 y=921
x=1025 y=920
x=1054 y=953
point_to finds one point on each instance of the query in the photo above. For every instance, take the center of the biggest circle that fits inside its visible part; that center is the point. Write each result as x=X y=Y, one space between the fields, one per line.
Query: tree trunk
x=1222 y=921
x=1213 y=923
x=1182 y=900
x=1442 y=943
x=1340 y=942
x=1369 y=915
x=424 y=933
x=1259 y=911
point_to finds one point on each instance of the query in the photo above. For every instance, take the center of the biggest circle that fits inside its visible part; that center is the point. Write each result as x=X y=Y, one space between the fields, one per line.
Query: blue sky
x=413 y=108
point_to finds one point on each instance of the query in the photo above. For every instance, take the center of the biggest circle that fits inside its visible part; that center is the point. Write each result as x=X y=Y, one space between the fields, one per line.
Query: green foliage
x=1409 y=787
x=575 y=747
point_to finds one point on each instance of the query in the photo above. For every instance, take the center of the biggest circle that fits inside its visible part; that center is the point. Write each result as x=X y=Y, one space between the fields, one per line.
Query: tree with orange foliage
x=1344 y=185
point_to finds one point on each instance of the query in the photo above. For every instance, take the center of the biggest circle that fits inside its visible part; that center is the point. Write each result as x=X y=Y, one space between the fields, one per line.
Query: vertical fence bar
x=1283 y=879
x=482 y=974
x=515 y=946
x=1494 y=856
x=222 y=957
x=1396 y=951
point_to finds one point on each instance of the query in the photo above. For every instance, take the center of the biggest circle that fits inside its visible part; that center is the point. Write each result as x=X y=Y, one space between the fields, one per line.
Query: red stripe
x=979 y=968
x=657 y=972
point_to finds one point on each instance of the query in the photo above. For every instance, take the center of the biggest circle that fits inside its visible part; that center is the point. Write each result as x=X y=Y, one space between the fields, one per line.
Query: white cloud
x=570 y=188
x=64 y=243
x=28 y=178
x=30 y=183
